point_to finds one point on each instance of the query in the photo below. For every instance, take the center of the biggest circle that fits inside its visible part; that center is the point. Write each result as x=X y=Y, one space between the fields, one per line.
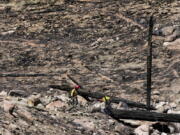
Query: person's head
x=104 y=99
x=77 y=87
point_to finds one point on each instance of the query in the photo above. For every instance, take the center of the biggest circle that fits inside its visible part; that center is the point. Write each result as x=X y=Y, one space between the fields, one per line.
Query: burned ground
x=102 y=44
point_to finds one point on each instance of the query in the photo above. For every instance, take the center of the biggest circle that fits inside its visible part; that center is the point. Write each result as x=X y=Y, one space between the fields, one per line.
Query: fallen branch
x=25 y=75
x=74 y=81
x=142 y=115
x=130 y=21
x=98 y=95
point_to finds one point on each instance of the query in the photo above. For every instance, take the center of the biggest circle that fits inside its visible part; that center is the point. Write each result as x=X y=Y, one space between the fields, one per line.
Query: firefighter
x=73 y=95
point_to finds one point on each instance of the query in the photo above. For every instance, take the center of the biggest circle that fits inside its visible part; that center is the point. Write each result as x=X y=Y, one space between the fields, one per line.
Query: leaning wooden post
x=149 y=62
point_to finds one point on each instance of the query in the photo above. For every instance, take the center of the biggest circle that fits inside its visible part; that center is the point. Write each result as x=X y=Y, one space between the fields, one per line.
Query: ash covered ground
x=102 y=44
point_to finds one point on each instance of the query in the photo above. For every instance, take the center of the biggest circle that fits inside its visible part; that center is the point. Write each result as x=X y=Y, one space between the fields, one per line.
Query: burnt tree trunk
x=149 y=63
x=142 y=115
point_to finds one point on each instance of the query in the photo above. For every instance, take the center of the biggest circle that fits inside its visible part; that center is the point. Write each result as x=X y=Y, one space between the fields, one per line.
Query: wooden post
x=149 y=62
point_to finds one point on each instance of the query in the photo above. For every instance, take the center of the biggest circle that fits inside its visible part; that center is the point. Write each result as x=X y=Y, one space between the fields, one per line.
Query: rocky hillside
x=103 y=45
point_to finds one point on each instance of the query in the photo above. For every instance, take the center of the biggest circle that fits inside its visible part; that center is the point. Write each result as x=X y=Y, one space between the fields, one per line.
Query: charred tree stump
x=98 y=95
x=149 y=63
x=142 y=115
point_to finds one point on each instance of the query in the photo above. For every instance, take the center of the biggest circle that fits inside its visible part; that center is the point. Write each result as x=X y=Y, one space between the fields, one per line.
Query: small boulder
x=167 y=30
x=56 y=104
x=82 y=101
x=175 y=127
x=64 y=98
x=22 y=112
x=85 y=123
x=175 y=45
x=156 y=92
x=7 y=132
x=8 y=106
x=97 y=107
x=3 y=93
x=34 y=100
x=173 y=36
x=121 y=105
x=143 y=130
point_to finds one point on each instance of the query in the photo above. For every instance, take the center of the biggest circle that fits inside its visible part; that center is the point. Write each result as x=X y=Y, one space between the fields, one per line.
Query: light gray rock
x=167 y=30
x=97 y=107
x=164 y=133
x=132 y=122
x=121 y=105
x=85 y=123
x=25 y=114
x=174 y=126
x=63 y=97
x=175 y=45
x=34 y=100
x=118 y=128
x=56 y=104
x=156 y=92
x=82 y=101
x=8 y=106
x=160 y=104
x=7 y=33
x=173 y=36
x=7 y=132
x=3 y=93
x=13 y=126
x=155 y=132
x=22 y=123
x=173 y=105
x=142 y=130
x=46 y=99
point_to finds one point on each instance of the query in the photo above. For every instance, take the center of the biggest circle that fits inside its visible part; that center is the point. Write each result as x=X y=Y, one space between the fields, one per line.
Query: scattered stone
x=13 y=126
x=3 y=93
x=22 y=123
x=85 y=123
x=7 y=33
x=175 y=45
x=173 y=105
x=46 y=100
x=97 y=107
x=121 y=105
x=164 y=134
x=167 y=30
x=34 y=100
x=174 y=36
x=8 y=106
x=132 y=122
x=143 y=130
x=17 y=93
x=63 y=97
x=156 y=92
x=174 y=126
x=82 y=101
x=40 y=106
x=56 y=104
x=155 y=132
x=118 y=128
x=25 y=114
x=7 y=132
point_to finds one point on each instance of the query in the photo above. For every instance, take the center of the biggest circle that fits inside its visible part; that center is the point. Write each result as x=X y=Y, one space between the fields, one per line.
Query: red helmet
x=77 y=87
